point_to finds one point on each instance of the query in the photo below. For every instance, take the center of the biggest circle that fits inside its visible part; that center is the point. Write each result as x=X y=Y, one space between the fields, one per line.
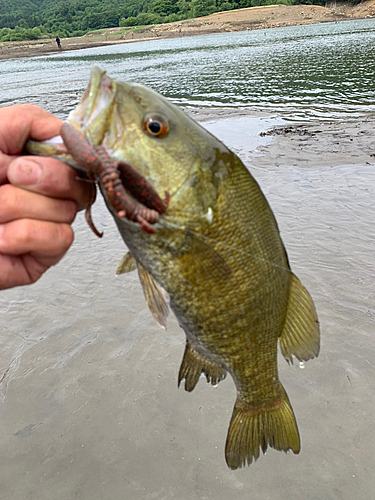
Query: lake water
x=322 y=71
x=89 y=405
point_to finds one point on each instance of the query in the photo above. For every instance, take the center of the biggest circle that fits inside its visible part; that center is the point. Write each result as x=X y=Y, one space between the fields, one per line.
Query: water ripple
x=322 y=71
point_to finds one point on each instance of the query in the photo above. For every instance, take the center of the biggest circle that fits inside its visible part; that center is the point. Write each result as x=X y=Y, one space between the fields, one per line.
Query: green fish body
x=218 y=254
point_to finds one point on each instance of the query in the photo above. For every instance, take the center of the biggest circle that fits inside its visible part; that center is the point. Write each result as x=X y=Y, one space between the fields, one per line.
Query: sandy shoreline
x=238 y=20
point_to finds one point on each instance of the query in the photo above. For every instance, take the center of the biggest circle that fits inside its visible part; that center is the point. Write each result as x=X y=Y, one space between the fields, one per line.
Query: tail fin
x=255 y=428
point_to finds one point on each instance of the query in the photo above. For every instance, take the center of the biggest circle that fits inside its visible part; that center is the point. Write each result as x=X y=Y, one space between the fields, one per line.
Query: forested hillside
x=33 y=19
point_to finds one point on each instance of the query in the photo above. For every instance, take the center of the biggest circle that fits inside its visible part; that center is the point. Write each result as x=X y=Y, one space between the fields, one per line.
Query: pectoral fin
x=208 y=262
x=300 y=336
x=156 y=297
x=127 y=264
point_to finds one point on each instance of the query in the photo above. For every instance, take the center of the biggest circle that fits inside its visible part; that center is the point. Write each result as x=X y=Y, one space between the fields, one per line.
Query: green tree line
x=33 y=19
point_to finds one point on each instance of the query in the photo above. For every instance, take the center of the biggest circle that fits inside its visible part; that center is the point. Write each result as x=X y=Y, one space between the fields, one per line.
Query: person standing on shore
x=58 y=43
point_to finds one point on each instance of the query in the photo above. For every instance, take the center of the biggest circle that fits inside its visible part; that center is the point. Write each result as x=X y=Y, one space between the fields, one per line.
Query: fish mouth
x=91 y=114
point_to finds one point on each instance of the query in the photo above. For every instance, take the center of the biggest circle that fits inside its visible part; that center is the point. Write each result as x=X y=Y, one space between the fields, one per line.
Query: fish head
x=138 y=126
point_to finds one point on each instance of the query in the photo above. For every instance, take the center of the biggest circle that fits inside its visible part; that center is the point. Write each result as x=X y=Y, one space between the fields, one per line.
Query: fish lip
x=98 y=97
x=93 y=90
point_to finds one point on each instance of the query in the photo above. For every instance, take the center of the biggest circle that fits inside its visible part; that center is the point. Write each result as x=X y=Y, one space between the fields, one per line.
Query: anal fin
x=300 y=336
x=193 y=364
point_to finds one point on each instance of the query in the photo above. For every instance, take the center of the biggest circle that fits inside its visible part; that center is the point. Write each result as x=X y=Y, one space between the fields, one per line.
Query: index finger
x=21 y=122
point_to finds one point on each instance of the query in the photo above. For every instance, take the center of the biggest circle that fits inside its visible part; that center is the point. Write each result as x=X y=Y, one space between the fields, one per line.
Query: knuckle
x=25 y=232
x=9 y=198
x=31 y=108
x=65 y=236
x=27 y=110
x=71 y=211
x=17 y=234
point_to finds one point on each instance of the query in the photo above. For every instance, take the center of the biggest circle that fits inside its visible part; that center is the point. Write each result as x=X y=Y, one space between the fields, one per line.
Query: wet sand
x=272 y=16
x=90 y=407
x=310 y=145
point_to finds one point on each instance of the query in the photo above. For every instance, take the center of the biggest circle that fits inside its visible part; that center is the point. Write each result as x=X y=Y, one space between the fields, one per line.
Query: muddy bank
x=320 y=144
x=237 y=20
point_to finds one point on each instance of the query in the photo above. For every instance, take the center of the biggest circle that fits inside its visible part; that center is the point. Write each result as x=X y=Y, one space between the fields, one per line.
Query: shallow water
x=89 y=401
x=90 y=407
x=322 y=71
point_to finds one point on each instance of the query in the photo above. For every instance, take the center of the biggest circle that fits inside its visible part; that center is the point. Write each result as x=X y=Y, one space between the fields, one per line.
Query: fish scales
x=218 y=254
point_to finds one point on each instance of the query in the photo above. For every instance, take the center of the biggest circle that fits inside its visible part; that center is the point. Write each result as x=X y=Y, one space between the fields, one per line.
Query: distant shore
x=271 y=16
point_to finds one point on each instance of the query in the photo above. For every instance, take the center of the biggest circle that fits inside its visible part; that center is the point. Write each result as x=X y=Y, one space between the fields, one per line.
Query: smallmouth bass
x=216 y=252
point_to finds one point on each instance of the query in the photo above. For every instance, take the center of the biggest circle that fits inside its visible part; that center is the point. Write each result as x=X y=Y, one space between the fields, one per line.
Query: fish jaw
x=92 y=114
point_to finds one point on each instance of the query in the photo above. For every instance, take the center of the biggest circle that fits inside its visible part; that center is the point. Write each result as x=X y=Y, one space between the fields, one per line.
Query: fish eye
x=157 y=126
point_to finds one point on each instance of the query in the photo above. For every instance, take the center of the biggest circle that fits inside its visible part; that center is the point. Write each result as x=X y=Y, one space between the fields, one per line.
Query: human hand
x=39 y=198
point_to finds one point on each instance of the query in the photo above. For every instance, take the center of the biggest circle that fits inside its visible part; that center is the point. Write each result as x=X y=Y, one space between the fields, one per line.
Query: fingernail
x=25 y=171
